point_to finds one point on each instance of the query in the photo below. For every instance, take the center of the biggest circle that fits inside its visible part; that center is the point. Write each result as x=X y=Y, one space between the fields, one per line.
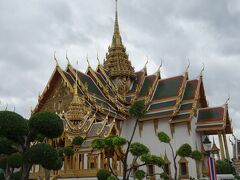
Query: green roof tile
x=91 y=85
x=147 y=84
x=186 y=107
x=210 y=114
x=190 y=89
x=181 y=116
x=159 y=114
x=162 y=105
x=168 y=88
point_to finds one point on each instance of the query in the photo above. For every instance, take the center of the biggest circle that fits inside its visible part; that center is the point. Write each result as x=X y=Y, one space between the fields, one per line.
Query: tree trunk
x=125 y=166
x=47 y=174
x=7 y=174
x=25 y=170
x=174 y=162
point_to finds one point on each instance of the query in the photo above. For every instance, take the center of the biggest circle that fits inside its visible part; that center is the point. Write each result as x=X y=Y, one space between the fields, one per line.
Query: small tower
x=117 y=64
x=77 y=109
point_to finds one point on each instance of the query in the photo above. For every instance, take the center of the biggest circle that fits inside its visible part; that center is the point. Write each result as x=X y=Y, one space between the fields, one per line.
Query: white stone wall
x=150 y=139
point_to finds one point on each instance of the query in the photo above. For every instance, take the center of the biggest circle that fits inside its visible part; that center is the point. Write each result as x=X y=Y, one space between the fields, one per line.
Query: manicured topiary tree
x=77 y=141
x=112 y=144
x=16 y=136
x=184 y=150
x=139 y=175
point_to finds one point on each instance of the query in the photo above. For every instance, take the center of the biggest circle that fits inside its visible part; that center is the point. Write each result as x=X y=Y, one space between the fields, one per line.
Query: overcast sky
x=203 y=31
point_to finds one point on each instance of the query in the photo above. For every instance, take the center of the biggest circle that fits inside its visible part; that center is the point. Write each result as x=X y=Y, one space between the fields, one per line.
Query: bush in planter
x=103 y=174
x=224 y=167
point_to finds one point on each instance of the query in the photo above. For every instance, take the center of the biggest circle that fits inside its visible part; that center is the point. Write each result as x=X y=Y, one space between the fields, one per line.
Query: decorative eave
x=110 y=98
x=48 y=86
x=110 y=83
x=180 y=94
x=112 y=126
x=152 y=89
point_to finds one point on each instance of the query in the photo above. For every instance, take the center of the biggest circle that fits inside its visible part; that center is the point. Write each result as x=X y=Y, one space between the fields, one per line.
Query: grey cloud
x=199 y=30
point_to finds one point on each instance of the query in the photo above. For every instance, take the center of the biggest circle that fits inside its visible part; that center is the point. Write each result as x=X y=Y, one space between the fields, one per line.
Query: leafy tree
x=16 y=147
x=184 y=150
x=112 y=144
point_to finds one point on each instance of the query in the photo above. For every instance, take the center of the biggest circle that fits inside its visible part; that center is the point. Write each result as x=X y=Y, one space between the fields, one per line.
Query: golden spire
x=117 y=40
x=117 y=64
x=75 y=85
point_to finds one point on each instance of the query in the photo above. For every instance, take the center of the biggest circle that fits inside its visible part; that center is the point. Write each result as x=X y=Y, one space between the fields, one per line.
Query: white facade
x=149 y=138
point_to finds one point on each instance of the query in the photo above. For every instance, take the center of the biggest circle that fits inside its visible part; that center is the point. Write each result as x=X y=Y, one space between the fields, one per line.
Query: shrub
x=15 y=160
x=196 y=155
x=78 y=141
x=12 y=125
x=185 y=150
x=48 y=124
x=98 y=143
x=224 y=167
x=137 y=109
x=138 y=149
x=68 y=151
x=103 y=174
x=163 y=137
x=139 y=174
x=152 y=159
x=119 y=141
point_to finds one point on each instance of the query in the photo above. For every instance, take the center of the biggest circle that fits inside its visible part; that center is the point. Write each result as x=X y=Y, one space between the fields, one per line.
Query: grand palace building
x=95 y=104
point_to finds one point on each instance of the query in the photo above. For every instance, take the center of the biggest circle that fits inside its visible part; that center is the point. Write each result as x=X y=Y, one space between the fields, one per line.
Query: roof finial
x=188 y=65
x=55 y=58
x=88 y=61
x=160 y=66
x=146 y=62
x=67 y=57
x=98 y=59
x=227 y=99
x=203 y=68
